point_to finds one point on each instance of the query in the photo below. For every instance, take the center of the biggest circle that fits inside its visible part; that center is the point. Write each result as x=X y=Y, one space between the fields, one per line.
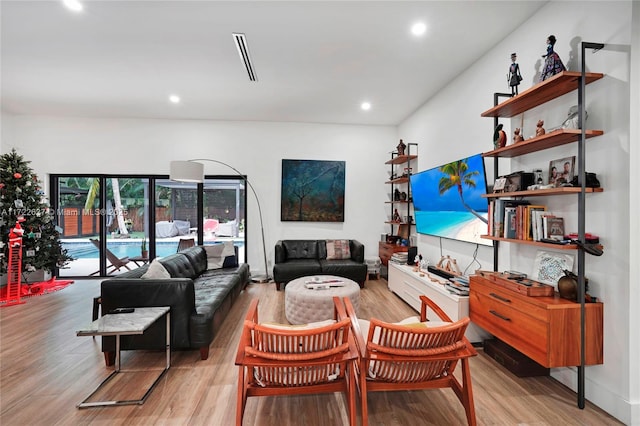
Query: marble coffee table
x=303 y=305
x=125 y=324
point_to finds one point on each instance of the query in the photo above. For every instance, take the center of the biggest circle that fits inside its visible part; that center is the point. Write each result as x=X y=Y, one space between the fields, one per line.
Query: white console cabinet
x=409 y=285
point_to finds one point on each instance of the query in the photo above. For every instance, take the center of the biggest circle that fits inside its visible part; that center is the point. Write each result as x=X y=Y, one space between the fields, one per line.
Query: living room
x=446 y=126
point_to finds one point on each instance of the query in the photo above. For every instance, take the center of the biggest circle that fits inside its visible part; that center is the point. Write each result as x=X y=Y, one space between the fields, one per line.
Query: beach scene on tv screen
x=448 y=200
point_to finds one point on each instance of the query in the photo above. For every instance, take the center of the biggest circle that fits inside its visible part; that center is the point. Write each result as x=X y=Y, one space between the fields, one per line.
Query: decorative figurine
x=573 y=118
x=514 y=78
x=539 y=129
x=538 y=176
x=552 y=64
x=396 y=195
x=401 y=146
x=396 y=216
x=517 y=137
x=499 y=137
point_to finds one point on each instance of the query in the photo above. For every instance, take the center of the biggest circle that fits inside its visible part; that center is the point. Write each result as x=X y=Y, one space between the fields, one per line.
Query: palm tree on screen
x=457 y=174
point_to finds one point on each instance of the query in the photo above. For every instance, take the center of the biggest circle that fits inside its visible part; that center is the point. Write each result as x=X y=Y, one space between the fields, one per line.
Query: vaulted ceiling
x=315 y=62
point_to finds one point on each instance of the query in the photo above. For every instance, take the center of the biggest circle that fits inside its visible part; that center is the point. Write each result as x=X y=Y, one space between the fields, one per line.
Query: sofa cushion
x=301 y=249
x=210 y=291
x=155 y=270
x=296 y=268
x=198 y=258
x=178 y=266
x=338 y=249
x=217 y=253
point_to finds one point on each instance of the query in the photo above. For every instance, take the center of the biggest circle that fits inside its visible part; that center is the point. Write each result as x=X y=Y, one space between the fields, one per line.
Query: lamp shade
x=186 y=171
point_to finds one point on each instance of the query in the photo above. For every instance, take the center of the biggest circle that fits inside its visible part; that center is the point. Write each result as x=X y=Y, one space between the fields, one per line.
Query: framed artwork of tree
x=312 y=191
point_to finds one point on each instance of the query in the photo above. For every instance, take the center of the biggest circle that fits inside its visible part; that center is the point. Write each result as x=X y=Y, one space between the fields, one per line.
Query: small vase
x=145 y=253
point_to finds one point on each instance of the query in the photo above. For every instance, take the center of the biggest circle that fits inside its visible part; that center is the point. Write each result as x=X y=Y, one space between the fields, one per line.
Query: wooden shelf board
x=396 y=202
x=545 y=91
x=400 y=159
x=565 y=190
x=391 y=222
x=398 y=180
x=532 y=243
x=539 y=143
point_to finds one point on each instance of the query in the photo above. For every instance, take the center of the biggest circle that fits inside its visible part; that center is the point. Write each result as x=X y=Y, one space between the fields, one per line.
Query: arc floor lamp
x=193 y=171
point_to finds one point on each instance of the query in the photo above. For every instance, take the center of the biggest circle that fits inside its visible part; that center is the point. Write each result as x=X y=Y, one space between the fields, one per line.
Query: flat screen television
x=447 y=200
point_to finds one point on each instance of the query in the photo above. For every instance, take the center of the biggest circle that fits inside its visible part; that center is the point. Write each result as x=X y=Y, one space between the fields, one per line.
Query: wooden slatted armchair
x=294 y=360
x=413 y=356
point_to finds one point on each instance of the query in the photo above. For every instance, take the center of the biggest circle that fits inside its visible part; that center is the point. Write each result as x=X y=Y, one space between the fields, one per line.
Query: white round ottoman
x=303 y=305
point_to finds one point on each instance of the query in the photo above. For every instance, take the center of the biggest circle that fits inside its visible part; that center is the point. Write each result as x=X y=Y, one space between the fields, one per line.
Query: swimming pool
x=86 y=250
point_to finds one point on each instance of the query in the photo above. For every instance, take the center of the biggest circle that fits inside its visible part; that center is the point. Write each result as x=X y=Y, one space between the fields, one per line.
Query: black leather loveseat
x=199 y=298
x=299 y=258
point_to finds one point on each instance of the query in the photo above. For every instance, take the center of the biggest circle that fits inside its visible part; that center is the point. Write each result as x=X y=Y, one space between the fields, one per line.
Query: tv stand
x=409 y=285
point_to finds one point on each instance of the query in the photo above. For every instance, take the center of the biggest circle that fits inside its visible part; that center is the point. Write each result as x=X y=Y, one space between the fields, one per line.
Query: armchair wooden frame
x=400 y=357
x=276 y=361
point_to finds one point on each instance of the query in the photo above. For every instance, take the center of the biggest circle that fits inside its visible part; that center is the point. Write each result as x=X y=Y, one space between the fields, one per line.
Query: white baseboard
x=616 y=405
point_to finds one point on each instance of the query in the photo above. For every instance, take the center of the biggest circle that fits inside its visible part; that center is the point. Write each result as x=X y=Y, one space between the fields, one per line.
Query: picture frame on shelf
x=549 y=267
x=499 y=184
x=562 y=170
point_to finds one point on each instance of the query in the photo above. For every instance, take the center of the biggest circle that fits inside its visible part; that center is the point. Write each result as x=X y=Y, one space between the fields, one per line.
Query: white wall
x=634 y=208
x=80 y=145
x=449 y=127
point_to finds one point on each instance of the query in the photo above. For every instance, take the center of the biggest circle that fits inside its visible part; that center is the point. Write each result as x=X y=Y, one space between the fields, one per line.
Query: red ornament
x=1 y=185
x=17 y=175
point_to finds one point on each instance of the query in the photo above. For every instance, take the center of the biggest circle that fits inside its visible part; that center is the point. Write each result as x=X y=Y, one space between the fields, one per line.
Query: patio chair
x=185 y=243
x=413 y=355
x=209 y=227
x=115 y=261
x=116 y=264
x=296 y=360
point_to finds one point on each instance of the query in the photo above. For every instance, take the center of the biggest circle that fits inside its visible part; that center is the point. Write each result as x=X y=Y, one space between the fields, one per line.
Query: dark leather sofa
x=300 y=258
x=200 y=300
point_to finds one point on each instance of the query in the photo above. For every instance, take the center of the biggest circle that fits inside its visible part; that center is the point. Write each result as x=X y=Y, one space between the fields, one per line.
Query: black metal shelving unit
x=556 y=86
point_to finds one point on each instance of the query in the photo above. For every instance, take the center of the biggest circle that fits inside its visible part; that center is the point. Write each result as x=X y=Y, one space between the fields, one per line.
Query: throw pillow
x=308 y=326
x=217 y=253
x=411 y=322
x=155 y=271
x=338 y=249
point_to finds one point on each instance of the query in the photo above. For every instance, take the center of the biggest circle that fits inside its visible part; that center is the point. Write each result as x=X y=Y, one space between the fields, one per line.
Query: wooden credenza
x=386 y=250
x=546 y=329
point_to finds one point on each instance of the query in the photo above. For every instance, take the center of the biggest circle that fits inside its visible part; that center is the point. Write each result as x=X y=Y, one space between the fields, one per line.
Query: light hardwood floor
x=46 y=370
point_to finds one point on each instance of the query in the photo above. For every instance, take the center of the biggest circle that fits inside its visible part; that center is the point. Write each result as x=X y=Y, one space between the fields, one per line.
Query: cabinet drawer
x=513 y=300
x=529 y=334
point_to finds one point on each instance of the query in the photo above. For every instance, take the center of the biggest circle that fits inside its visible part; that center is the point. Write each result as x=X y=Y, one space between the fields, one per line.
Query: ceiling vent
x=243 y=51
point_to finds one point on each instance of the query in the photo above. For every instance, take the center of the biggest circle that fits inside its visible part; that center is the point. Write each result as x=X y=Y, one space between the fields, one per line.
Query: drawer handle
x=500 y=316
x=496 y=296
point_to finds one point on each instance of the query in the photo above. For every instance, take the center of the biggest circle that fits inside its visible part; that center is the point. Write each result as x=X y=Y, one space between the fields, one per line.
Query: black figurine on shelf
x=514 y=78
x=401 y=147
x=552 y=64
x=396 y=216
x=499 y=137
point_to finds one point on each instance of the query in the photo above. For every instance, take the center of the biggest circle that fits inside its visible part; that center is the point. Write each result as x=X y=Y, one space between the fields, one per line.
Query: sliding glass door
x=110 y=225
x=77 y=207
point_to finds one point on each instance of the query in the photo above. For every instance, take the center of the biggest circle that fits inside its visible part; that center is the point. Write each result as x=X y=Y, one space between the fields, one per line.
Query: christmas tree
x=22 y=200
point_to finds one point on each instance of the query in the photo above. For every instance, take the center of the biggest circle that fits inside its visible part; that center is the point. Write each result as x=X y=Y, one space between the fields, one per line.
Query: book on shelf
x=509 y=222
x=456 y=289
x=399 y=257
x=555 y=228
x=530 y=226
x=507 y=218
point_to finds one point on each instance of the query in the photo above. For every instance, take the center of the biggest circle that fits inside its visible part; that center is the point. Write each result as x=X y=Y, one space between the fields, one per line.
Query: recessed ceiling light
x=174 y=99
x=74 y=5
x=418 y=29
x=366 y=106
